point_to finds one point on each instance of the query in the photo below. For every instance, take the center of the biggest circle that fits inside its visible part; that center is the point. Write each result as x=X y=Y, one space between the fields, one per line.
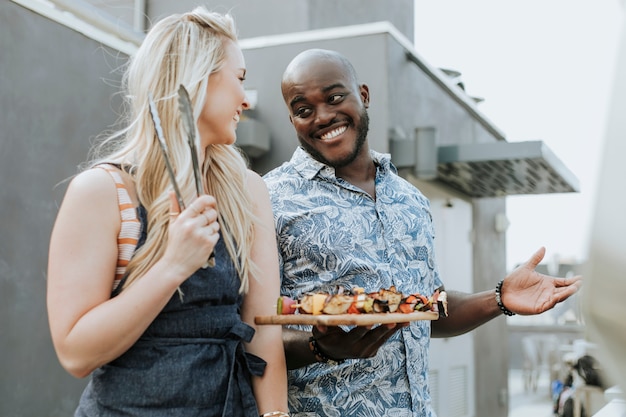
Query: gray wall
x=271 y=17
x=56 y=93
x=490 y=340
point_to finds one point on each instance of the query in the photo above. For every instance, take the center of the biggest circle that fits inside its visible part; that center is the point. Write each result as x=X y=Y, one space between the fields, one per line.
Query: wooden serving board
x=348 y=319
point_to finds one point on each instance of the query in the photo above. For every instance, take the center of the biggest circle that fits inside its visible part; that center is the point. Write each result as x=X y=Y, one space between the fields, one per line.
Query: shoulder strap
x=130 y=227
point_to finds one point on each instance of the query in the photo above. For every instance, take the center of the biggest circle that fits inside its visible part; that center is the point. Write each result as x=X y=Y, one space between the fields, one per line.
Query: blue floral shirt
x=332 y=233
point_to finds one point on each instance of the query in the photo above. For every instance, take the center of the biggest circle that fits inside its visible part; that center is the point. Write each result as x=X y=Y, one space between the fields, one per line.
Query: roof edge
x=376 y=28
x=83 y=18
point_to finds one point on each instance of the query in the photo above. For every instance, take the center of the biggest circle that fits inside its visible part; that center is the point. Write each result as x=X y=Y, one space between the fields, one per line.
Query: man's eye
x=335 y=98
x=302 y=112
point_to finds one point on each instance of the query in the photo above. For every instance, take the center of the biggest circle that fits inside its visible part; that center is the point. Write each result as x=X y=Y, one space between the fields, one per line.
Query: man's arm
x=465 y=313
x=524 y=291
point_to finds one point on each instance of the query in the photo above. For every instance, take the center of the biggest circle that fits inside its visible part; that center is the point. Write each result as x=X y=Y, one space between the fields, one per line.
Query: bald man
x=345 y=218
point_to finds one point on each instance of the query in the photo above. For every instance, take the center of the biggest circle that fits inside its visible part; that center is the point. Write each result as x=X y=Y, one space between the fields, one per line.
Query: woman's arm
x=89 y=328
x=270 y=389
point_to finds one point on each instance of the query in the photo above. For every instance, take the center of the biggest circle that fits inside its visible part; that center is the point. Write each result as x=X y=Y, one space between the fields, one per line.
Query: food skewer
x=357 y=307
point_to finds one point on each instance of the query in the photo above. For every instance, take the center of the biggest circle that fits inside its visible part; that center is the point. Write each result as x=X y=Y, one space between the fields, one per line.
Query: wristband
x=319 y=355
x=499 y=300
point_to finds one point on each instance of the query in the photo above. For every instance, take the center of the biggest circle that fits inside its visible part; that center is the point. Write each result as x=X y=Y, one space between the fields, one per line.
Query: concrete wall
x=271 y=17
x=56 y=92
x=490 y=339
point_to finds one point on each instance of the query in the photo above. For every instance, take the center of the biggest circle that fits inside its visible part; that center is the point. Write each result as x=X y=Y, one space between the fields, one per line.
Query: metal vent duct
x=504 y=168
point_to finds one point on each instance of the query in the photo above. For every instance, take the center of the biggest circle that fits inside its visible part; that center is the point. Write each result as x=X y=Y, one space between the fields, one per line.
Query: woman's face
x=226 y=100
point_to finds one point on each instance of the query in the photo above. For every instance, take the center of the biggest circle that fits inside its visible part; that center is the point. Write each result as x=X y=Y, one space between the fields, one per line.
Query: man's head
x=327 y=106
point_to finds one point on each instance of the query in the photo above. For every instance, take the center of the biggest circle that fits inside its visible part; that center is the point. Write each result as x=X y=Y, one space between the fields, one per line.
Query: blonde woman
x=129 y=300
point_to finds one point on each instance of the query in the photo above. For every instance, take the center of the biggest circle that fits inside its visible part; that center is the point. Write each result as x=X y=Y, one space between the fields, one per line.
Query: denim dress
x=190 y=361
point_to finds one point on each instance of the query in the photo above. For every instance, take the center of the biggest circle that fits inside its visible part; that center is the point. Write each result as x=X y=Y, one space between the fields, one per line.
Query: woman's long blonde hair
x=180 y=49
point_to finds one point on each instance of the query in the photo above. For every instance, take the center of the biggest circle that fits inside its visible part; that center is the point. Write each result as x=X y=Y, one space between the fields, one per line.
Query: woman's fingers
x=203 y=203
x=193 y=232
x=174 y=207
x=203 y=212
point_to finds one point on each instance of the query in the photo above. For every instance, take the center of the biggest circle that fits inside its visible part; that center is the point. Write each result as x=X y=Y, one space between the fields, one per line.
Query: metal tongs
x=188 y=121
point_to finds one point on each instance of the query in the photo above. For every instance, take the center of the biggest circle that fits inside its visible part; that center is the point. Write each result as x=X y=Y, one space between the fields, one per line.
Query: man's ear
x=365 y=95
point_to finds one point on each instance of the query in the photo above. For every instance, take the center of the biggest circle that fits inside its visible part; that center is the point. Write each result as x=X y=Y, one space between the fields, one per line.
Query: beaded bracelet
x=319 y=355
x=499 y=300
x=275 y=414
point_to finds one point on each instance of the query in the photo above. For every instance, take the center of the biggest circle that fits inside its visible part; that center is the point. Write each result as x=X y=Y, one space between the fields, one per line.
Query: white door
x=452 y=360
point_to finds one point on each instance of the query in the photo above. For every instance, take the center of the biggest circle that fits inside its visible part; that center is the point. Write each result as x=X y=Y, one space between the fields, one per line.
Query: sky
x=545 y=70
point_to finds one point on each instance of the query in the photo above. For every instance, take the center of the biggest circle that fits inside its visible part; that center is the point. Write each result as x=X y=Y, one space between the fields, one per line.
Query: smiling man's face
x=327 y=108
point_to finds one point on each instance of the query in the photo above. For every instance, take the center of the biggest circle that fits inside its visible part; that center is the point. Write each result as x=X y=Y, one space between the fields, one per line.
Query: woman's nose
x=246 y=103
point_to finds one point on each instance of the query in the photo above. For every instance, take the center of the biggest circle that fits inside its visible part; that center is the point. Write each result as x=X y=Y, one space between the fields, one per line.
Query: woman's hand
x=193 y=234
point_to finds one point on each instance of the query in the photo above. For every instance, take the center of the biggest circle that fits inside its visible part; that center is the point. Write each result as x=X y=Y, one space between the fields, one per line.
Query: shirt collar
x=309 y=167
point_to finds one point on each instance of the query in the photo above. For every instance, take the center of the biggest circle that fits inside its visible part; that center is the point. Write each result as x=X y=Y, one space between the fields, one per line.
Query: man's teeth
x=236 y=118
x=334 y=133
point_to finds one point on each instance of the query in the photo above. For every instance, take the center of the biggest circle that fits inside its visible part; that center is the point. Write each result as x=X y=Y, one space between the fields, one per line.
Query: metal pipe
x=139 y=16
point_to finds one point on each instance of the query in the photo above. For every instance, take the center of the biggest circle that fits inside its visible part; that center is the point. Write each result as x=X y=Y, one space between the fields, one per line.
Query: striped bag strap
x=130 y=225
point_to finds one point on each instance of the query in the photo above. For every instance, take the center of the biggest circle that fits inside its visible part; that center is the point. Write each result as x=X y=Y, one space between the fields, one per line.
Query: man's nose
x=325 y=114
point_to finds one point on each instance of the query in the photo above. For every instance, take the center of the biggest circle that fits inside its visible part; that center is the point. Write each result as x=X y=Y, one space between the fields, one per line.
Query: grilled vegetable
x=286 y=305
x=441 y=301
x=313 y=303
x=407 y=305
x=357 y=301
x=338 y=304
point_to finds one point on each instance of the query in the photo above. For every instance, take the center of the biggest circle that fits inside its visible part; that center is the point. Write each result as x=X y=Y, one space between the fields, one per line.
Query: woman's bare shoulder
x=255 y=182
x=93 y=187
x=92 y=181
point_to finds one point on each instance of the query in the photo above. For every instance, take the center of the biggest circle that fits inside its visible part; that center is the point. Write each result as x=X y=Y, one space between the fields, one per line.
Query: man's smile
x=333 y=133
